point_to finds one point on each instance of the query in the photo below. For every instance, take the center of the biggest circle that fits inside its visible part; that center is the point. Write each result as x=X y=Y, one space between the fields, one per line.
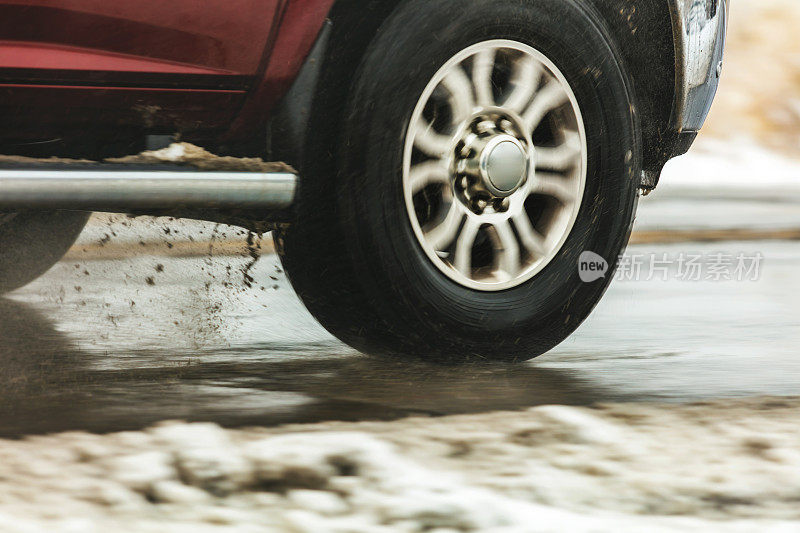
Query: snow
x=729 y=167
x=728 y=466
x=724 y=185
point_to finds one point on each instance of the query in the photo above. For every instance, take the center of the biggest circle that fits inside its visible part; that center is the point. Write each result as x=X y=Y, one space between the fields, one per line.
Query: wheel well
x=324 y=83
x=642 y=32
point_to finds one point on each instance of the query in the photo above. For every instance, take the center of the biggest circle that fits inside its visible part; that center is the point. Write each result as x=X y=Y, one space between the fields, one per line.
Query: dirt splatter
x=189 y=154
x=254 y=251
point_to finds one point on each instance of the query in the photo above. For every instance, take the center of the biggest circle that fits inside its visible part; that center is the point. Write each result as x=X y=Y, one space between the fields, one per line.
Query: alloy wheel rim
x=494 y=167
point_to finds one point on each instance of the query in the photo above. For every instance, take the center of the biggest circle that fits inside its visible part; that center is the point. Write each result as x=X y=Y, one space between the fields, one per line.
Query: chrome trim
x=699 y=27
x=112 y=190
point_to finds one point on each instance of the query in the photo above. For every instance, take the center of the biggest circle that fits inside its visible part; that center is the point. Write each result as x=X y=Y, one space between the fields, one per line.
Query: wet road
x=110 y=345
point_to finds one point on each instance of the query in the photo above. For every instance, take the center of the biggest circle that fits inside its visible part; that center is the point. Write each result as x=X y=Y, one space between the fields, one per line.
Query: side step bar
x=105 y=189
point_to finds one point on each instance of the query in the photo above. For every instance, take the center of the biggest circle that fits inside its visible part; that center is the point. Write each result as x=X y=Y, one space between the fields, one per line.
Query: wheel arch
x=644 y=36
x=324 y=81
x=642 y=32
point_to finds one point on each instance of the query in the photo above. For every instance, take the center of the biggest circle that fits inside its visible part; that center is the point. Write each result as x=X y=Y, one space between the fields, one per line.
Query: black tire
x=352 y=255
x=32 y=242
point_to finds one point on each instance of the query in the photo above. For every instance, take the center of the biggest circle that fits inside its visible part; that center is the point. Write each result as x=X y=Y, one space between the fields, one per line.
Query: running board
x=121 y=190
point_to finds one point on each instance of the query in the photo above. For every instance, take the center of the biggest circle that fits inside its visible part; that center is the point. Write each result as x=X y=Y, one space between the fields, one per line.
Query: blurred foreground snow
x=728 y=466
x=741 y=167
x=725 y=185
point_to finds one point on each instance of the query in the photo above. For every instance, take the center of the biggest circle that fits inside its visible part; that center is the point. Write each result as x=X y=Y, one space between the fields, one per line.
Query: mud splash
x=254 y=251
x=188 y=154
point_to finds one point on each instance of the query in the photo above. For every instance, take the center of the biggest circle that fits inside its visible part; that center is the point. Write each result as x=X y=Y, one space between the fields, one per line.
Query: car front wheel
x=484 y=148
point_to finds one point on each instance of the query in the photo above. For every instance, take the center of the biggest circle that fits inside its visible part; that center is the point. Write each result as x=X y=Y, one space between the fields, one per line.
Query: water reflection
x=49 y=384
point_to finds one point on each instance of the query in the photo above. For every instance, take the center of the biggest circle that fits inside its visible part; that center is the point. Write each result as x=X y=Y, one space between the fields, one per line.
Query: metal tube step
x=119 y=189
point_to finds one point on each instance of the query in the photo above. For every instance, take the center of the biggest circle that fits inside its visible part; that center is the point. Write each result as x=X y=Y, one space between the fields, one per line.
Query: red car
x=457 y=160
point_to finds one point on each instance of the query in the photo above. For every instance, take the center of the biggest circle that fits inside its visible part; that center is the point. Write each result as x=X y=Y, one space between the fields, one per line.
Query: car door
x=178 y=63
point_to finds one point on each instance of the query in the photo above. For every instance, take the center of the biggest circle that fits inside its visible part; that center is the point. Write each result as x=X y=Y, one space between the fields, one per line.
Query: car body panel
x=202 y=36
x=221 y=66
x=299 y=27
x=38 y=56
x=177 y=65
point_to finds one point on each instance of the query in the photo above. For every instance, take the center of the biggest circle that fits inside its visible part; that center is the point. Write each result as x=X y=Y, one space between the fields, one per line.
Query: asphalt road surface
x=106 y=345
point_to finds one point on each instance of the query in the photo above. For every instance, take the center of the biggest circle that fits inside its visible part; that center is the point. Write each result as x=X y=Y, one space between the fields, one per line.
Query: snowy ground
x=728 y=466
x=729 y=186
x=733 y=168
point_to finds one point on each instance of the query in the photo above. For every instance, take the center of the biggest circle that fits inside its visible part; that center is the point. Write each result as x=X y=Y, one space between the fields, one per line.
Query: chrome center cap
x=504 y=165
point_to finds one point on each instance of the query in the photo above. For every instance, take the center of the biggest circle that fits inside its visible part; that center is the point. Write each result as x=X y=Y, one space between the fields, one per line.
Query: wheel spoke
x=562 y=157
x=429 y=141
x=466 y=241
x=547 y=99
x=507 y=249
x=462 y=101
x=533 y=241
x=445 y=233
x=427 y=173
x=554 y=186
x=527 y=73
x=482 y=69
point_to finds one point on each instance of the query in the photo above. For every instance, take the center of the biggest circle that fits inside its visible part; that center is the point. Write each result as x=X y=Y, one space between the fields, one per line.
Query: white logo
x=591 y=267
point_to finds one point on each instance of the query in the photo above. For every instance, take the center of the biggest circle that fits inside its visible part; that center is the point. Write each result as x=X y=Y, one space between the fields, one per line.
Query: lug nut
x=484 y=126
x=501 y=205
